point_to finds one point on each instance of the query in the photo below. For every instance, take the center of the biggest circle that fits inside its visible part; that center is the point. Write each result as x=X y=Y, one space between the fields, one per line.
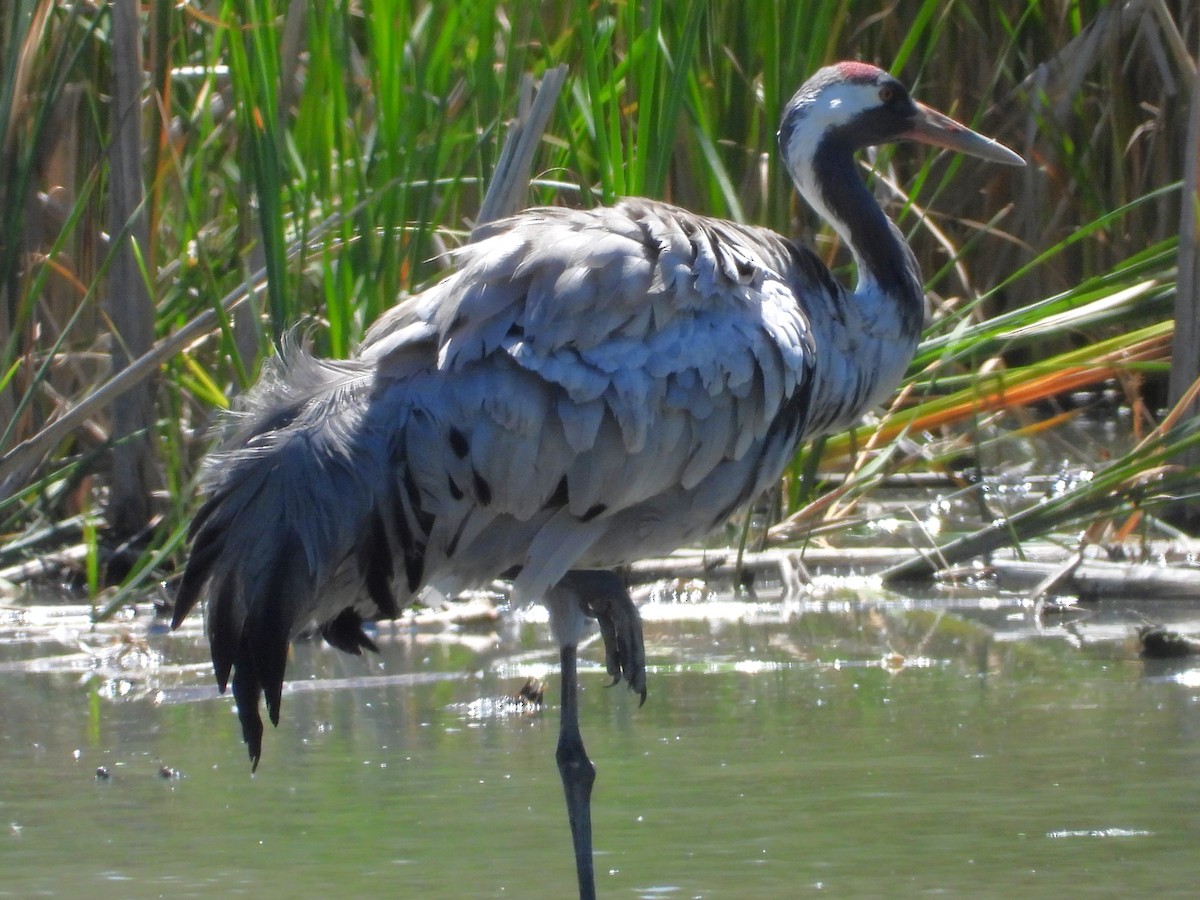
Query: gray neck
x=883 y=258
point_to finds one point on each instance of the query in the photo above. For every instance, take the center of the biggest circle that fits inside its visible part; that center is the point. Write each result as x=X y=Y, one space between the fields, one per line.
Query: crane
x=588 y=387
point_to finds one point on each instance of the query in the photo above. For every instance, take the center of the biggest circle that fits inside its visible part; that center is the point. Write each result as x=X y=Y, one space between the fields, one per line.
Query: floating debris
x=531 y=693
x=527 y=701
x=1160 y=643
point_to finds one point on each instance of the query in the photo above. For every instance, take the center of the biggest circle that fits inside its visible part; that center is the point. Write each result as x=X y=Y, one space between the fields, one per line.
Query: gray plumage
x=587 y=388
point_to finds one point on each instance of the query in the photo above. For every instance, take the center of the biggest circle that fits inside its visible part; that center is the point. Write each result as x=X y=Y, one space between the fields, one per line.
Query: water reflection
x=853 y=743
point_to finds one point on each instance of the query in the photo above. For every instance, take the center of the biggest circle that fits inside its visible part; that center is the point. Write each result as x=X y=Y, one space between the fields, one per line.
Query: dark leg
x=578 y=774
x=600 y=595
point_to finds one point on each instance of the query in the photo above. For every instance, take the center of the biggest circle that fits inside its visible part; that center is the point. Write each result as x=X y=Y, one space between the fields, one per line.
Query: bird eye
x=887 y=93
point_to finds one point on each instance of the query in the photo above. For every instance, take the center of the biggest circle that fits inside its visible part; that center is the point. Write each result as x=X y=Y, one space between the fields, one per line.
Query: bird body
x=587 y=388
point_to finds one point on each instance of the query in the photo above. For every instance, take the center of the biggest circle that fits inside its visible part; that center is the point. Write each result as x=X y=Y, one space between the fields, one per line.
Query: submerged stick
x=1097 y=579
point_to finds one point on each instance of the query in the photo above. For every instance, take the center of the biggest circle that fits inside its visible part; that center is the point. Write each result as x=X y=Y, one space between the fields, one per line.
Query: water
x=855 y=744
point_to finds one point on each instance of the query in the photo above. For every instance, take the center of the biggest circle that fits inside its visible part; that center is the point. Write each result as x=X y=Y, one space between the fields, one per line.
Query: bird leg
x=609 y=603
x=600 y=595
x=577 y=774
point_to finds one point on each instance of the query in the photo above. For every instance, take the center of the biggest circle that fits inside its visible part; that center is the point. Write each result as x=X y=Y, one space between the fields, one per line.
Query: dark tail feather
x=375 y=566
x=291 y=503
x=261 y=656
x=246 y=691
x=204 y=554
x=250 y=650
x=224 y=634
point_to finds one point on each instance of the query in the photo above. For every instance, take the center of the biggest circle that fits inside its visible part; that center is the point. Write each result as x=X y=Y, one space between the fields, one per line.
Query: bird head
x=851 y=105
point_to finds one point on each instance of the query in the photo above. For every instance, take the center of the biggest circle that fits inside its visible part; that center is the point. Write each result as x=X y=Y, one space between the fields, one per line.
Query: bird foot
x=621 y=629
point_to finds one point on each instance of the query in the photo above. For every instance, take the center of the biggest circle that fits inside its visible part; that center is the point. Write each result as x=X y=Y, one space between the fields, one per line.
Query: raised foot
x=609 y=603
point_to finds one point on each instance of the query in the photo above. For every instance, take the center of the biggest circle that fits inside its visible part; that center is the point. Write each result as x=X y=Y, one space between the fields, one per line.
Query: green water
x=856 y=745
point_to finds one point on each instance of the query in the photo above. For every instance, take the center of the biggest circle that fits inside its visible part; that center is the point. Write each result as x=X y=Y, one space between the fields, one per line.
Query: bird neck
x=886 y=265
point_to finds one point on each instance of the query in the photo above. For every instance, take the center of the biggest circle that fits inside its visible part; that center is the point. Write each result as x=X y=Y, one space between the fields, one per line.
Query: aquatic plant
x=308 y=161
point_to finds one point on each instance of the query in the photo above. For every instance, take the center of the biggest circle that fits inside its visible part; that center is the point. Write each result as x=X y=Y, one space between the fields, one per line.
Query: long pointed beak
x=932 y=127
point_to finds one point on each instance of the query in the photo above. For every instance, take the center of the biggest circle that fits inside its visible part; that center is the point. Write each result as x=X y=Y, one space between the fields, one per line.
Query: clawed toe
x=621 y=630
x=601 y=595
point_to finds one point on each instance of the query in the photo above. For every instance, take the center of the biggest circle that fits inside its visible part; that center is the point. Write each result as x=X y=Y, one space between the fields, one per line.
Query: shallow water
x=853 y=744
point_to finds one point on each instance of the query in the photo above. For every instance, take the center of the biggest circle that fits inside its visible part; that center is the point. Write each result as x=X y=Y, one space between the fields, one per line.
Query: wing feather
x=586 y=385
